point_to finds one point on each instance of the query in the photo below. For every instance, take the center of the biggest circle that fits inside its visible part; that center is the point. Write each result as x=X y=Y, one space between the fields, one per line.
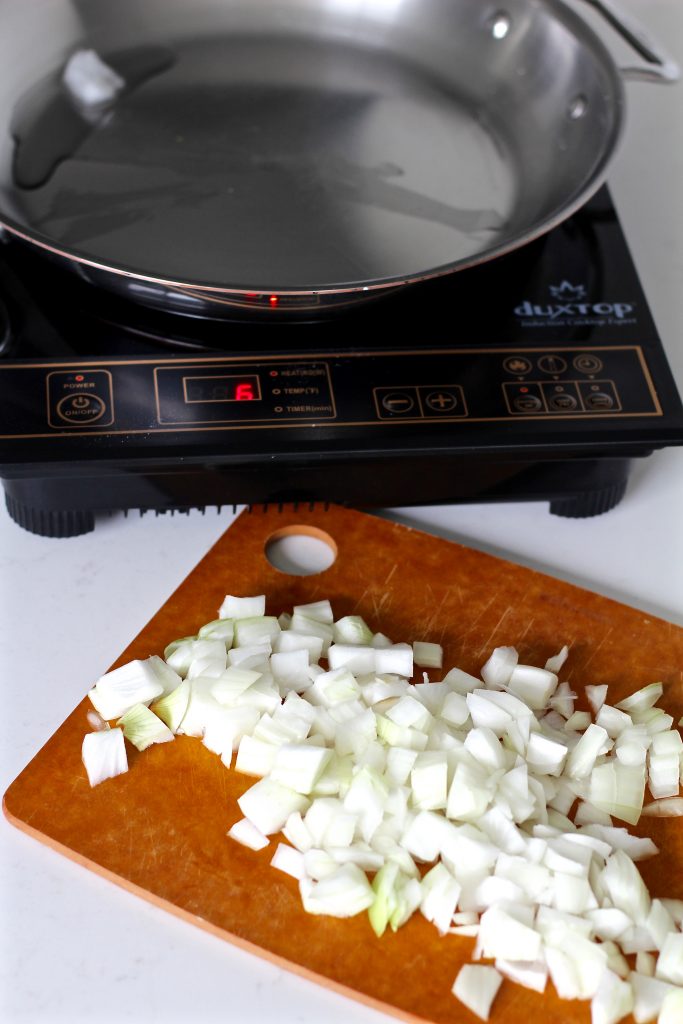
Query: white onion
x=496 y=785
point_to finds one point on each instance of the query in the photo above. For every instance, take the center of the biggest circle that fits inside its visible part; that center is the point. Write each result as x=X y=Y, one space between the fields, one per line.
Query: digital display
x=221 y=389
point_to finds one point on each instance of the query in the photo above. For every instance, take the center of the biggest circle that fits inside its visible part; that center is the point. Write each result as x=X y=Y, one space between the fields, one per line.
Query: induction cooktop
x=535 y=377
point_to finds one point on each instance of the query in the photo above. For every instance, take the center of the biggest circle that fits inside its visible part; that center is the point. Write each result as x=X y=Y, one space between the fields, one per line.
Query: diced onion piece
x=501 y=935
x=669 y=742
x=645 y=964
x=555 y=664
x=440 y=895
x=535 y=686
x=172 y=707
x=96 y=722
x=427 y=655
x=671 y=1011
x=498 y=669
x=352 y=630
x=289 y=640
x=357 y=658
x=626 y=887
x=385 y=901
x=298 y=766
x=345 y=892
x=613 y=721
x=134 y=683
x=429 y=780
x=660 y=923
x=321 y=611
x=246 y=833
x=268 y=804
x=255 y=629
x=289 y=669
x=255 y=757
x=219 y=629
x=546 y=756
x=104 y=755
x=395 y=660
x=476 y=987
x=670 y=961
x=142 y=728
x=670 y=808
x=663 y=775
x=619 y=790
x=649 y=995
x=461 y=682
x=232 y=683
x=289 y=860
x=596 y=696
x=642 y=699
x=581 y=761
x=578 y=722
x=454 y=709
x=242 y=607
x=613 y=1000
x=409 y=713
x=530 y=975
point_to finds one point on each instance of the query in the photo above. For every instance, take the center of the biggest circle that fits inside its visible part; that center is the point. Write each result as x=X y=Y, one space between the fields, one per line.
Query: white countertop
x=74 y=947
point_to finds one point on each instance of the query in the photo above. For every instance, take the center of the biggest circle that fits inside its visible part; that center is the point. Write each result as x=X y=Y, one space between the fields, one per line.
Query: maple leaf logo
x=568 y=291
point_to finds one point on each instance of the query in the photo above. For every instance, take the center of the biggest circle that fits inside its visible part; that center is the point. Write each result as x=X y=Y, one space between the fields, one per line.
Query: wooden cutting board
x=159 y=830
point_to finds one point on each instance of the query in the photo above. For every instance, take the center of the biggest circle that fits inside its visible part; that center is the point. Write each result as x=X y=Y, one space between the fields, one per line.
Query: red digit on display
x=244 y=393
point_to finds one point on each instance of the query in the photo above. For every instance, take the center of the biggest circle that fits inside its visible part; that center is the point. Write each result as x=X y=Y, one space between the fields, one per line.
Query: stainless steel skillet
x=299 y=154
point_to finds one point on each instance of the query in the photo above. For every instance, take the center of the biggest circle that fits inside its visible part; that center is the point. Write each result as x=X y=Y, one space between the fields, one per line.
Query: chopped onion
x=104 y=755
x=345 y=892
x=476 y=987
x=244 y=832
x=670 y=962
x=612 y=1001
x=671 y=1011
x=142 y=728
x=427 y=655
x=369 y=774
x=242 y=607
x=137 y=682
x=670 y=808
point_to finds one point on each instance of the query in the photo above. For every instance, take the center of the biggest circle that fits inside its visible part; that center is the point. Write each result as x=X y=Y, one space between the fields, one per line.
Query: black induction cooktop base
x=536 y=377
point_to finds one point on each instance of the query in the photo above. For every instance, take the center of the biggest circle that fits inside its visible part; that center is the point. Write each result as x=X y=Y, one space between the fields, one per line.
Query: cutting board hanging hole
x=301 y=550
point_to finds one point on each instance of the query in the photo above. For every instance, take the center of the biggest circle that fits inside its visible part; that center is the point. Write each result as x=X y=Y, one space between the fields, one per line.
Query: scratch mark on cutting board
x=484 y=647
x=360 y=601
x=477 y=617
x=380 y=605
x=526 y=630
x=391 y=573
x=610 y=629
x=436 y=614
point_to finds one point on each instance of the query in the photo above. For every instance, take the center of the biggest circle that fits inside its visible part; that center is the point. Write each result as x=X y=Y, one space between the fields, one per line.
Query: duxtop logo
x=572 y=306
x=568 y=291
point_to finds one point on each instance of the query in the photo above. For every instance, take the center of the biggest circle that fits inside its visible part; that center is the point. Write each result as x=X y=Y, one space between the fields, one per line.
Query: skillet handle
x=662 y=67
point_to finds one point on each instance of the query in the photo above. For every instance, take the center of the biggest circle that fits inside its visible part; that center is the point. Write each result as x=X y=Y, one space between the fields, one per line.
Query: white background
x=73 y=947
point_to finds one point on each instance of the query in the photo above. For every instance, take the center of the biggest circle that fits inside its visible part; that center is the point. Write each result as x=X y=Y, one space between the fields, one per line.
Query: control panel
x=366 y=389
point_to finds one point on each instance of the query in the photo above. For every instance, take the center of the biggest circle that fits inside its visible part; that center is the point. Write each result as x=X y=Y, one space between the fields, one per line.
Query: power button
x=80 y=408
x=79 y=398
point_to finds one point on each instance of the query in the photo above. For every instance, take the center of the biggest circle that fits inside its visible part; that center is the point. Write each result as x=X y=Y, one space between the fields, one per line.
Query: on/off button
x=80 y=408
x=79 y=398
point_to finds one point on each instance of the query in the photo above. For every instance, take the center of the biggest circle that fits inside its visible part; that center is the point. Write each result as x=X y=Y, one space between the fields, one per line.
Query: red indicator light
x=252 y=295
x=79 y=377
x=524 y=391
x=273 y=373
x=274 y=300
x=244 y=393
